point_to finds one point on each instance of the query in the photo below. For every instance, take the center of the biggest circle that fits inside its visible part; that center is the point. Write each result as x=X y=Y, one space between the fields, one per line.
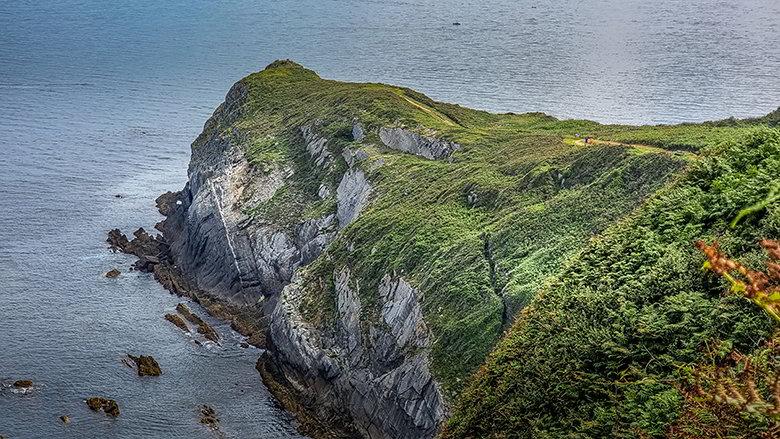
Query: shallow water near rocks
x=98 y=101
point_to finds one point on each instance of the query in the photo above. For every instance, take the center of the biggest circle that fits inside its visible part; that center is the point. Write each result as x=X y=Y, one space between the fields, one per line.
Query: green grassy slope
x=481 y=234
x=606 y=350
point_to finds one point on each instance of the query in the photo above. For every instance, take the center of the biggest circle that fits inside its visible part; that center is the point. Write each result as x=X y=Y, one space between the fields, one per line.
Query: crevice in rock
x=487 y=251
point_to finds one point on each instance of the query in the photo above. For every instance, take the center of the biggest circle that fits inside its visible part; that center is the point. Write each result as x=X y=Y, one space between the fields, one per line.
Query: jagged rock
x=388 y=375
x=316 y=144
x=208 y=417
x=408 y=141
x=167 y=202
x=65 y=419
x=358 y=133
x=113 y=273
x=323 y=192
x=203 y=328
x=117 y=240
x=23 y=384
x=109 y=406
x=150 y=250
x=376 y=376
x=188 y=314
x=146 y=365
x=207 y=331
x=258 y=340
x=178 y=321
x=352 y=196
x=240 y=327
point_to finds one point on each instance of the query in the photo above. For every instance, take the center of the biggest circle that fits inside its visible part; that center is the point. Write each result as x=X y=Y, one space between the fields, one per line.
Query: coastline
x=154 y=257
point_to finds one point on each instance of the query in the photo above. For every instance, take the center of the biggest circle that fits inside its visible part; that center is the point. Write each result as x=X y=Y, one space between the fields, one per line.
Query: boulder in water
x=65 y=419
x=178 y=321
x=113 y=273
x=146 y=365
x=109 y=406
x=208 y=417
x=23 y=384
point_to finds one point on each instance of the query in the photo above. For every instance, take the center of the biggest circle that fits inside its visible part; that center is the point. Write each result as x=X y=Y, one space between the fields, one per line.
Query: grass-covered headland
x=559 y=278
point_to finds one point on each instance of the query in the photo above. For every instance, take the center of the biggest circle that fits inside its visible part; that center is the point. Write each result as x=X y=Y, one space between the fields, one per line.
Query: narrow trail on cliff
x=637 y=146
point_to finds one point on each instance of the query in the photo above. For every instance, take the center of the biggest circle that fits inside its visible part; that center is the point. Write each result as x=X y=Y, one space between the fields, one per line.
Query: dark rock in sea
x=178 y=321
x=170 y=278
x=457 y=23
x=244 y=345
x=113 y=273
x=208 y=417
x=184 y=310
x=109 y=406
x=23 y=384
x=258 y=340
x=240 y=327
x=208 y=332
x=167 y=202
x=147 y=365
x=203 y=328
x=65 y=419
x=117 y=240
x=150 y=250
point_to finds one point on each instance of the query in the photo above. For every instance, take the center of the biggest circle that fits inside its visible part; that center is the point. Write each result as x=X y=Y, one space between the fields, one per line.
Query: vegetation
x=607 y=349
x=592 y=243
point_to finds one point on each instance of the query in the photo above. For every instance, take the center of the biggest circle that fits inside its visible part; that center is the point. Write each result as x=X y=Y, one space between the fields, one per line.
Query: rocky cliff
x=387 y=238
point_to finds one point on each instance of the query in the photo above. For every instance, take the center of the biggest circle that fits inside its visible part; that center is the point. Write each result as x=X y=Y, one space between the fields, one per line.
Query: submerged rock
x=146 y=365
x=207 y=331
x=178 y=321
x=208 y=417
x=109 y=406
x=188 y=314
x=23 y=384
x=113 y=273
x=203 y=328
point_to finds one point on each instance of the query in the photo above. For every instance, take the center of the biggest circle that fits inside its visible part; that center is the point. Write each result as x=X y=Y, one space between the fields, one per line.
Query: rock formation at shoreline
x=383 y=243
x=177 y=321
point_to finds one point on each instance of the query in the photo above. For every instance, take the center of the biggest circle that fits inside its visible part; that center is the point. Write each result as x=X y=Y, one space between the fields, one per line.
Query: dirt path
x=432 y=111
x=641 y=147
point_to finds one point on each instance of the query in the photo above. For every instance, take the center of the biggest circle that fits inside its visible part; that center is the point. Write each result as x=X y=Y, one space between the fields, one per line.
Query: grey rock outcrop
x=213 y=241
x=352 y=196
x=376 y=373
x=380 y=369
x=358 y=133
x=408 y=141
x=316 y=144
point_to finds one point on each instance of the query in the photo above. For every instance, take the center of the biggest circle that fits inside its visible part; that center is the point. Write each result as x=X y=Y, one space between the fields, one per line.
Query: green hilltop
x=582 y=252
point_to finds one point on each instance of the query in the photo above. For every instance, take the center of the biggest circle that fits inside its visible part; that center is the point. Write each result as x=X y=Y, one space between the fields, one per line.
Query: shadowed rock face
x=378 y=370
x=413 y=143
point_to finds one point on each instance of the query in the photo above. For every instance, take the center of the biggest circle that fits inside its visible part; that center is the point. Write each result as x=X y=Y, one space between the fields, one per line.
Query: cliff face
x=389 y=238
x=363 y=373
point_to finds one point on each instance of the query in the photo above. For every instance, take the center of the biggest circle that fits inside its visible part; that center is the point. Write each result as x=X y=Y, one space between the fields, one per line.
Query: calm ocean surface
x=97 y=101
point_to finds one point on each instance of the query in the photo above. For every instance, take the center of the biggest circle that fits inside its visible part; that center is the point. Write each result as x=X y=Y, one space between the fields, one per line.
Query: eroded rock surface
x=146 y=365
x=382 y=369
x=405 y=140
x=366 y=379
x=109 y=406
